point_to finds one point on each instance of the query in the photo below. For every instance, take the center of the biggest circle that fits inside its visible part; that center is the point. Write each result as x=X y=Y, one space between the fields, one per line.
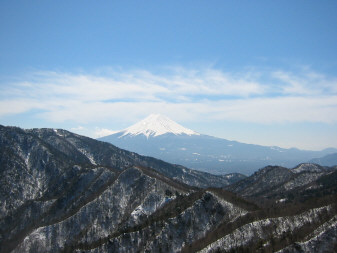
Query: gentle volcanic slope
x=155 y=125
x=160 y=137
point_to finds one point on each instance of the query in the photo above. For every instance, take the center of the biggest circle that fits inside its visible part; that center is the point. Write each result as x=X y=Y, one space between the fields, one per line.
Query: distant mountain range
x=160 y=137
x=61 y=192
x=327 y=160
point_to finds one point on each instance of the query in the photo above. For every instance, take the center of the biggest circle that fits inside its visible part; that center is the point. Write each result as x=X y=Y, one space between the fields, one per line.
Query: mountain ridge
x=327 y=160
x=85 y=150
x=62 y=192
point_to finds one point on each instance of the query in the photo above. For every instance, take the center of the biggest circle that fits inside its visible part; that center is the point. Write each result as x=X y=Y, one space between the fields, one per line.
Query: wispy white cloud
x=187 y=94
x=305 y=83
x=79 y=128
x=16 y=105
x=100 y=132
x=279 y=109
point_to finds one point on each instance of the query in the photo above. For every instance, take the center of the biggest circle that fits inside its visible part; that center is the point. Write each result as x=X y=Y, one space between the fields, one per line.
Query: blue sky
x=260 y=72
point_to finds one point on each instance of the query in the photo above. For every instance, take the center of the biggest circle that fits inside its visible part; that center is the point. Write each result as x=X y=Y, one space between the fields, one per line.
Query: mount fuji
x=162 y=138
x=156 y=125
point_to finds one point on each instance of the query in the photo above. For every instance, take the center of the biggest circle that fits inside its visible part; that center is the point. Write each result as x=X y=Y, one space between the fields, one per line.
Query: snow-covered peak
x=155 y=125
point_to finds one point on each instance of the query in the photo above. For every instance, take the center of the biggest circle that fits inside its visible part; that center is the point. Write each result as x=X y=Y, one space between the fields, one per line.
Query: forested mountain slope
x=62 y=192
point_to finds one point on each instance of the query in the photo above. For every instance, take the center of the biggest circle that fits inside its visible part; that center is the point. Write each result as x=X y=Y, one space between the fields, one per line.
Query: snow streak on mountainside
x=155 y=125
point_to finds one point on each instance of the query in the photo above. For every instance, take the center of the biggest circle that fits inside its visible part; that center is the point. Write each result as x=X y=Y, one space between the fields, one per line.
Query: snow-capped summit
x=155 y=125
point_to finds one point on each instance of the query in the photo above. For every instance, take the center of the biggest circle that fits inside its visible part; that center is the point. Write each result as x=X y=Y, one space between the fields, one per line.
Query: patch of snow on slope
x=88 y=155
x=235 y=211
x=58 y=133
x=229 y=176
